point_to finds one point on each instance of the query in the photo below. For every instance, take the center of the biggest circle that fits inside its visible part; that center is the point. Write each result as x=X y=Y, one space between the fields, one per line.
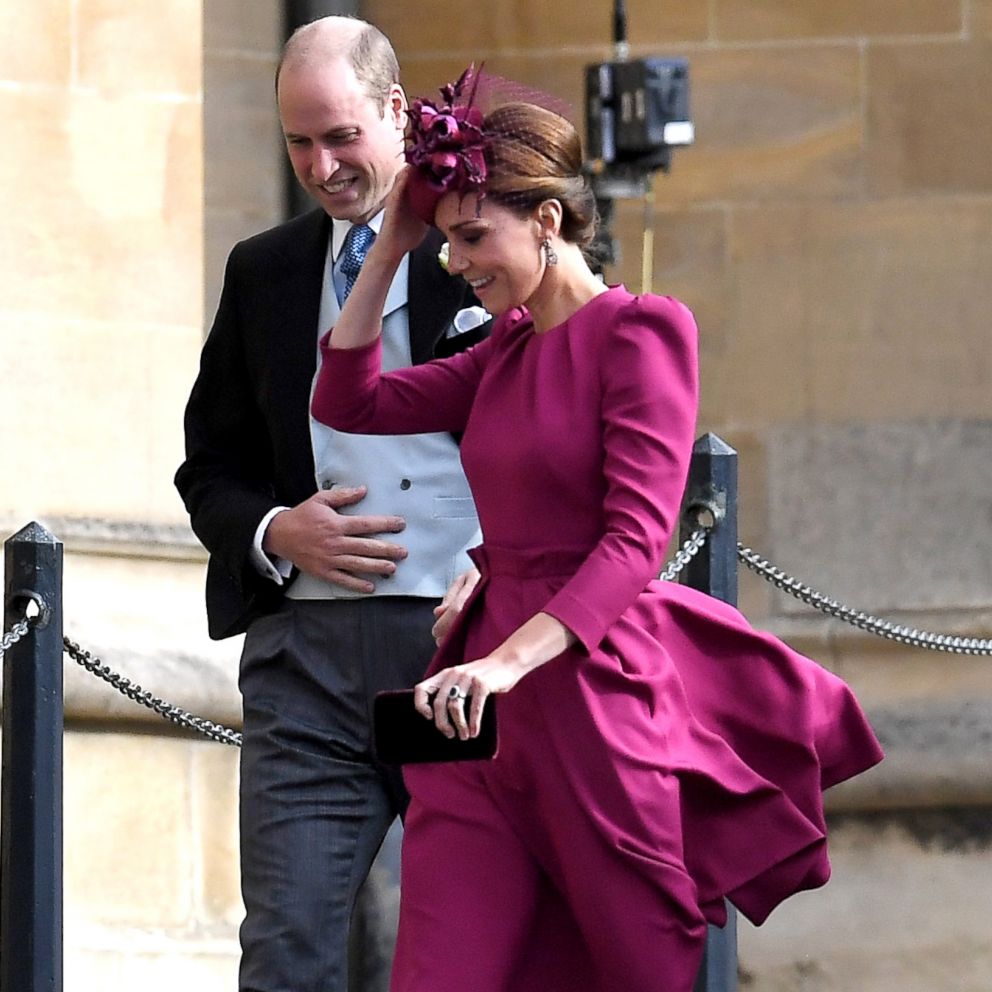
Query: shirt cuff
x=271 y=566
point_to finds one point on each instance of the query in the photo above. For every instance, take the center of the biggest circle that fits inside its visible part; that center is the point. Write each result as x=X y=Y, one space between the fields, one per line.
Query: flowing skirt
x=636 y=787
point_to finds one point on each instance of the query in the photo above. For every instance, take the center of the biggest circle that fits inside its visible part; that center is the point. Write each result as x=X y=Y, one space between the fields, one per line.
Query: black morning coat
x=247 y=420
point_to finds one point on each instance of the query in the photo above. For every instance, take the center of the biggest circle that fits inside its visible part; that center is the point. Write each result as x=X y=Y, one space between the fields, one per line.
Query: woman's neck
x=564 y=289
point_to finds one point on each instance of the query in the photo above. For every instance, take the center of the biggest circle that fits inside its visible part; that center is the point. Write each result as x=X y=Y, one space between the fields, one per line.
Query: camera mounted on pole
x=637 y=112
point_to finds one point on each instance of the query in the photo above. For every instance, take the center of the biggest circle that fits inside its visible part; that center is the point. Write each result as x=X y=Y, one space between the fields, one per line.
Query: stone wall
x=831 y=229
x=243 y=151
x=102 y=267
x=151 y=883
x=101 y=247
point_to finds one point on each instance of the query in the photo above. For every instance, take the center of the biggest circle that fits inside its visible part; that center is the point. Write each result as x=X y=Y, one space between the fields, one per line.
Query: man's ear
x=396 y=105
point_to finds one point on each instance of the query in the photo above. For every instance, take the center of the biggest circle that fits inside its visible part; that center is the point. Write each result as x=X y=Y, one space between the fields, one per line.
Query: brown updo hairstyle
x=534 y=154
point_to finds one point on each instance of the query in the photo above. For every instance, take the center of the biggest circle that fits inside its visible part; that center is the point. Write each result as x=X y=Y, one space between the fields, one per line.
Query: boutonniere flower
x=442 y=256
x=467 y=320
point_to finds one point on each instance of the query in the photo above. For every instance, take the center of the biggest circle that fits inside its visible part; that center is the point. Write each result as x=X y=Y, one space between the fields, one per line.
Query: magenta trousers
x=509 y=885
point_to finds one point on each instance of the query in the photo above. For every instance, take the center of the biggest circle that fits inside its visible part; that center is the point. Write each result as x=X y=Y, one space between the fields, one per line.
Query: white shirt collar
x=340 y=229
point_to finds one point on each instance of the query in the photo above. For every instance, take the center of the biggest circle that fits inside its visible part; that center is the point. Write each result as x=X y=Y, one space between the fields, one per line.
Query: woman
x=656 y=753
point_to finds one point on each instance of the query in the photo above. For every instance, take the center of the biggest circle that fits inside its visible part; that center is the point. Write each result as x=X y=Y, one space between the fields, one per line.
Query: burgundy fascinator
x=445 y=146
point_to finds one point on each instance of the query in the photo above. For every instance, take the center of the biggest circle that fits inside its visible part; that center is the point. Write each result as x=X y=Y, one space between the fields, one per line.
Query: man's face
x=345 y=149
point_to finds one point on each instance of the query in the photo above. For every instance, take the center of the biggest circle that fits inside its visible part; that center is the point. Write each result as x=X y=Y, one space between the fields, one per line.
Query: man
x=330 y=550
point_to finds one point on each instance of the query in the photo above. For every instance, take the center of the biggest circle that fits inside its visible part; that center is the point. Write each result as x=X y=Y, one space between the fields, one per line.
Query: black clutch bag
x=402 y=736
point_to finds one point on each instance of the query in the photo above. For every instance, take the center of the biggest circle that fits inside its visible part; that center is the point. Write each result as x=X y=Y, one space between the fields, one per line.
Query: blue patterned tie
x=356 y=245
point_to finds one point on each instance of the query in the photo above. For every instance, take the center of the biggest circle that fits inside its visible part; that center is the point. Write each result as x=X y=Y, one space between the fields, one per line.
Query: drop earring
x=550 y=255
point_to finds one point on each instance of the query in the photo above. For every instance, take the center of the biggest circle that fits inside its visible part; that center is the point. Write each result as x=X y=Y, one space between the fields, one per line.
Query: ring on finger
x=457 y=692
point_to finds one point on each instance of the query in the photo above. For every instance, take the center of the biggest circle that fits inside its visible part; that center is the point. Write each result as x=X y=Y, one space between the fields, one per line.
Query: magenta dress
x=675 y=756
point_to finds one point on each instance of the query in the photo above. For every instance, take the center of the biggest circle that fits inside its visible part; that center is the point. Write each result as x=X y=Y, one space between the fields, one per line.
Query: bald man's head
x=361 y=44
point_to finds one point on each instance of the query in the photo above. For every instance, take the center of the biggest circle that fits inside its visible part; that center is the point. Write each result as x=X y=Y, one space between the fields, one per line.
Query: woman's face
x=497 y=251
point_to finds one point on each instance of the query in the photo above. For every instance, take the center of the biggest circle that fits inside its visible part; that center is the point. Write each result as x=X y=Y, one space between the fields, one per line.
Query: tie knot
x=356 y=246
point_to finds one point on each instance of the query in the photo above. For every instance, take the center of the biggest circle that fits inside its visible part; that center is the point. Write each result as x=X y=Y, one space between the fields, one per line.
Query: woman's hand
x=442 y=696
x=454 y=599
x=360 y=322
x=401 y=230
x=475 y=681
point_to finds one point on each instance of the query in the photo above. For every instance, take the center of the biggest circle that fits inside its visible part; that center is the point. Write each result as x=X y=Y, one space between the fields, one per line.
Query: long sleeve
x=225 y=480
x=352 y=395
x=648 y=367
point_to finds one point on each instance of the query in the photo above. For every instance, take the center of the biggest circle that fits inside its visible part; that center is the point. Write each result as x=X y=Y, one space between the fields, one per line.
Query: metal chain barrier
x=857 y=618
x=684 y=555
x=178 y=716
x=169 y=711
x=750 y=558
x=14 y=635
x=912 y=636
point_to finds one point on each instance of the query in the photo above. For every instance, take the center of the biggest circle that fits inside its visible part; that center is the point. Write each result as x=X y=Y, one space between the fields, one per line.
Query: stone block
x=560 y=73
x=112 y=458
x=898 y=913
x=771 y=123
x=146 y=620
x=893 y=677
x=236 y=26
x=652 y=28
x=119 y=236
x=136 y=961
x=517 y=24
x=736 y=20
x=754 y=364
x=244 y=157
x=215 y=829
x=128 y=838
x=126 y=49
x=937 y=751
x=858 y=311
x=36 y=43
x=885 y=517
x=243 y=145
x=929 y=123
x=981 y=19
x=690 y=263
x=222 y=230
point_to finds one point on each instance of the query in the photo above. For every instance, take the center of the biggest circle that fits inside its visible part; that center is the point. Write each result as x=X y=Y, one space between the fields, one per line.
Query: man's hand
x=334 y=546
x=454 y=599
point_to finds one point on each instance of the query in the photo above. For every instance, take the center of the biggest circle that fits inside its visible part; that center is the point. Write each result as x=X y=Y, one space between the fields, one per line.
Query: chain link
x=912 y=636
x=685 y=554
x=14 y=635
x=858 y=618
x=179 y=716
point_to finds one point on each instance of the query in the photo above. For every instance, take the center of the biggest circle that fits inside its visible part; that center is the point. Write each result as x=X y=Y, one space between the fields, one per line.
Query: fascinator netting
x=446 y=141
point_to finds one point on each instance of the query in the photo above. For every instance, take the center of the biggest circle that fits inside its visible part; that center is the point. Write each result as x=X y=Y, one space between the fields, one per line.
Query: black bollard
x=711 y=500
x=31 y=786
